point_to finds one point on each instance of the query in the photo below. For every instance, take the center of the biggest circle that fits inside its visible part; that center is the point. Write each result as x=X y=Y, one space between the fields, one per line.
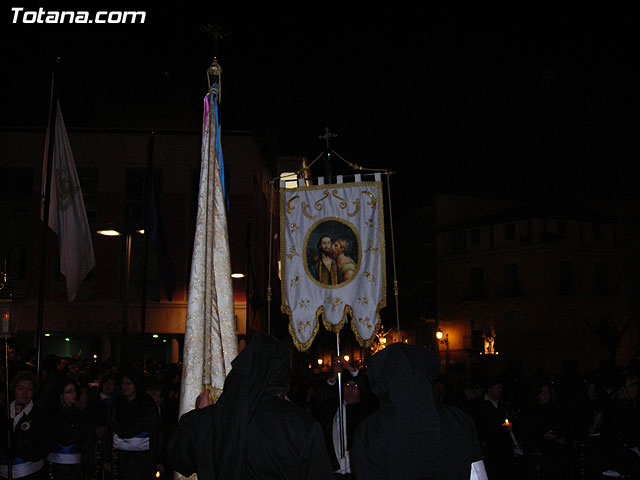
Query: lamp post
x=116 y=231
x=6 y=303
x=443 y=339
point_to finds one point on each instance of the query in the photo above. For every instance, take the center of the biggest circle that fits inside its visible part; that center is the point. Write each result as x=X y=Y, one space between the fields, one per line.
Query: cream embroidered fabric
x=333 y=258
x=210 y=342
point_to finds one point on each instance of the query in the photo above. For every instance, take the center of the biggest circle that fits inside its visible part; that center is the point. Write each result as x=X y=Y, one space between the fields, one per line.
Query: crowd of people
x=81 y=419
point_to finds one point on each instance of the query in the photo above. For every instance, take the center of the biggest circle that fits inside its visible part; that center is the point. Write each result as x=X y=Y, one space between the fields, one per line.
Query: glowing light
x=109 y=232
x=290 y=179
x=237 y=275
x=346 y=358
x=155 y=335
x=67 y=339
x=158 y=474
x=383 y=340
x=95 y=357
x=439 y=334
x=320 y=361
x=47 y=334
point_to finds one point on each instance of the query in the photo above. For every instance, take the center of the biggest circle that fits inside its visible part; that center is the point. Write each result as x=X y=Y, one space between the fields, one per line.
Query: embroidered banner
x=332 y=259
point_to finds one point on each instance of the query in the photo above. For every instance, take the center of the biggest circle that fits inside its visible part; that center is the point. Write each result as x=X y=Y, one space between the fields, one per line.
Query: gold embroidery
x=357 y=210
x=366 y=321
x=294 y=228
x=302 y=347
x=366 y=343
x=371 y=248
x=372 y=199
x=305 y=303
x=370 y=276
x=343 y=203
x=318 y=204
x=290 y=209
x=214 y=392
x=334 y=303
x=363 y=300
x=294 y=282
x=337 y=327
x=305 y=211
x=292 y=252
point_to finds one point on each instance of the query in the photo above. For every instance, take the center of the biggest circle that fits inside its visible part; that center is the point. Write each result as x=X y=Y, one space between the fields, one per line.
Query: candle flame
x=158 y=474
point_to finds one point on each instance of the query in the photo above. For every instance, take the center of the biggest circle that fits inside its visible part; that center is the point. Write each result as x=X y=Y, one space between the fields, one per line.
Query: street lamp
x=112 y=230
x=443 y=339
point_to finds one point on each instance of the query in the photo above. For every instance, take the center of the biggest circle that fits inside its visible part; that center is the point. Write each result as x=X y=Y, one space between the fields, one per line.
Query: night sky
x=464 y=99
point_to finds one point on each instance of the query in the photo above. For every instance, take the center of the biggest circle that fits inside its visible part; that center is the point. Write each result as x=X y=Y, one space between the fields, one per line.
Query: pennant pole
x=270 y=260
x=48 y=162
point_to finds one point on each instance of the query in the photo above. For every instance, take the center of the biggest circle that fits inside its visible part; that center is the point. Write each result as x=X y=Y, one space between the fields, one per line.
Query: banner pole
x=393 y=258
x=340 y=406
x=48 y=161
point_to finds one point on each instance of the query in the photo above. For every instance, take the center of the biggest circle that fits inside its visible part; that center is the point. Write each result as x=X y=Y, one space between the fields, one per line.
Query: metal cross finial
x=327 y=136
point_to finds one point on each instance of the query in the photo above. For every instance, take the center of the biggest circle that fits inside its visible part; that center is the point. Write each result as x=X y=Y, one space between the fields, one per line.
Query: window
x=510 y=231
x=562 y=228
x=511 y=280
x=596 y=231
x=475 y=236
x=16 y=185
x=566 y=278
x=460 y=241
x=88 y=177
x=476 y=279
x=602 y=279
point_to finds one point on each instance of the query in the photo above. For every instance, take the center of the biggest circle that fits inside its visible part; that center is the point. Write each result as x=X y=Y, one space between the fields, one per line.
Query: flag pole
x=50 y=139
x=147 y=234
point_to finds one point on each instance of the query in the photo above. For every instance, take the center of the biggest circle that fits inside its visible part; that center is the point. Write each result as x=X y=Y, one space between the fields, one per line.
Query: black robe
x=128 y=419
x=251 y=432
x=28 y=440
x=411 y=436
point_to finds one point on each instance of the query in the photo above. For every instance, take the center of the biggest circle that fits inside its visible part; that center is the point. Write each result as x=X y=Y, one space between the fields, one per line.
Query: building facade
x=524 y=285
x=111 y=166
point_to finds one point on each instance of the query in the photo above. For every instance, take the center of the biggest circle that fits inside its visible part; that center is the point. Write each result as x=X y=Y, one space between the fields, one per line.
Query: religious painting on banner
x=333 y=259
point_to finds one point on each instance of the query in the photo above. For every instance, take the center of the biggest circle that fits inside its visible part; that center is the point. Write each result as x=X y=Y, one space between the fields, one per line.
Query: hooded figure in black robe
x=412 y=436
x=252 y=432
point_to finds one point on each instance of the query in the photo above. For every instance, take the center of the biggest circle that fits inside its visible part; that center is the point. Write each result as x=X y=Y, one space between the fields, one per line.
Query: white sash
x=21 y=469
x=65 y=458
x=139 y=443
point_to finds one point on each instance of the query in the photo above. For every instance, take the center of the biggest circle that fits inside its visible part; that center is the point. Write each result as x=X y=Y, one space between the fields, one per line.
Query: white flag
x=333 y=257
x=67 y=216
x=210 y=342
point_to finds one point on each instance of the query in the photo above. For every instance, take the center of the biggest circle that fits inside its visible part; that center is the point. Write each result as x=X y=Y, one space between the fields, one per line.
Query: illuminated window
x=290 y=179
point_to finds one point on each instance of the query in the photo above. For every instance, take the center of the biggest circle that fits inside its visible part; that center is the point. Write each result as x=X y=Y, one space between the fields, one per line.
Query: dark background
x=507 y=100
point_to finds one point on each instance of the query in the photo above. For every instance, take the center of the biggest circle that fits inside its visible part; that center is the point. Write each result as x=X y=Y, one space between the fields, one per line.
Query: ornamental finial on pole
x=214 y=78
